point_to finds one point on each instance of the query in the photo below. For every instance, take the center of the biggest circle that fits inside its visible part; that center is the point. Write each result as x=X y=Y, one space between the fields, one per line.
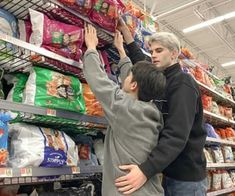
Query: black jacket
x=179 y=152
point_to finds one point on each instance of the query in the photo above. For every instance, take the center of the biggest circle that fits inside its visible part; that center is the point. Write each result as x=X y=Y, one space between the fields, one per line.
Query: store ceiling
x=213 y=45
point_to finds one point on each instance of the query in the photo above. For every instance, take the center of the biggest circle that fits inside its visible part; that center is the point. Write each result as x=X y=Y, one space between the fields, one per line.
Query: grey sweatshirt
x=133 y=126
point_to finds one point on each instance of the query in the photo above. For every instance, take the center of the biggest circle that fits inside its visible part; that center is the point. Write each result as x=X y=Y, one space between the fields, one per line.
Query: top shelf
x=19 y=8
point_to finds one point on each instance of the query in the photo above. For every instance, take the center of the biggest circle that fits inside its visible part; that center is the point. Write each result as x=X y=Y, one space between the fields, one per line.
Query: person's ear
x=134 y=86
x=174 y=54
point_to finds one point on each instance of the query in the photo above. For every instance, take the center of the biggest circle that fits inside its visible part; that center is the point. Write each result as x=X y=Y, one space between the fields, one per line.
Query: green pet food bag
x=16 y=93
x=54 y=90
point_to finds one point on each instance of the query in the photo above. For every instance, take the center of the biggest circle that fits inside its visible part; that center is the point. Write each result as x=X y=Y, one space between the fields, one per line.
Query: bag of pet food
x=7 y=26
x=19 y=81
x=58 y=37
x=51 y=89
x=81 y=6
x=4 y=118
x=25 y=30
x=93 y=107
x=39 y=146
x=105 y=13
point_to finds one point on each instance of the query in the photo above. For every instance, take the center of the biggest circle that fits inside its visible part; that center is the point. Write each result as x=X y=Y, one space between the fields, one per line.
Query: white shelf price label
x=6 y=172
x=51 y=112
x=75 y=170
x=26 y=172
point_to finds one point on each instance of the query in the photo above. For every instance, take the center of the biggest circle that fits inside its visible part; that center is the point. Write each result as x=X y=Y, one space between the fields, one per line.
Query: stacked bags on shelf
x=104 y=13
x=54 y=90
x=140 y=24
x=220 y=179
x=212 y=106
x=198 y=71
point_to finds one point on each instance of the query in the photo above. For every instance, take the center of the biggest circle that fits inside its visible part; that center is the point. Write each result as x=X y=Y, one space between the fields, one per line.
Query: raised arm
x=134 y=51
x=124 y=63
x=105 y=90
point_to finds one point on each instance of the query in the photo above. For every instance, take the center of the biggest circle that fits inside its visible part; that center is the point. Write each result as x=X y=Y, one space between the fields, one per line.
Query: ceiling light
x=176 y=9
x=209 y=22
x=228 y=64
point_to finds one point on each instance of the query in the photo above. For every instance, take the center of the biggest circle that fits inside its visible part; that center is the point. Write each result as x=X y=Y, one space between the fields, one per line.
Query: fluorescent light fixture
x=209 y=22
x=176 y=9
x=228 y=64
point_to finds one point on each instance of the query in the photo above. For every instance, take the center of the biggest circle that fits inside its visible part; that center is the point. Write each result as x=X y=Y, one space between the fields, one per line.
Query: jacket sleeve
x=182 y=107
x=135 y=53
x=125 y=68
x=106 y=91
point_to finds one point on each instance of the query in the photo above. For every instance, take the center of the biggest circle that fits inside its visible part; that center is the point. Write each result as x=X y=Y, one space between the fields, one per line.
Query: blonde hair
x=166 y=39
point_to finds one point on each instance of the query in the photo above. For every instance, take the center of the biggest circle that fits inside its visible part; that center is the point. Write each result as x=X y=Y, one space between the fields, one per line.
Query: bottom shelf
x=221 y=192
x=31 y=175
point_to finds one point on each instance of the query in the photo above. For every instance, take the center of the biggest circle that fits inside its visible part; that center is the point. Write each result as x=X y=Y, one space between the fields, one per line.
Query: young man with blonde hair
x=178 y=153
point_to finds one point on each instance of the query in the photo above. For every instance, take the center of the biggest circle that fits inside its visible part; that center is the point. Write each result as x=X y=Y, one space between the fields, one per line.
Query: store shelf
x=219 y=98
x=210 y=140
x=19 y=8
x=218 y=120
x=192 y=64
x=29 y=109
x=221 y=192
x=220 y=165
x=41 y=51
x=30 y=175
x=21 y=58
x=43 y=171
x=101 y=33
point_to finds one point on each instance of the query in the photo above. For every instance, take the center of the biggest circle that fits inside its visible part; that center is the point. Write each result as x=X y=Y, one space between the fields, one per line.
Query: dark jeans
x=184 y=188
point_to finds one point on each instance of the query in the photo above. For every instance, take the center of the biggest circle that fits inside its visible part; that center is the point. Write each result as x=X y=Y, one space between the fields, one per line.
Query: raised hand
x=91 y=39
x=118 y=40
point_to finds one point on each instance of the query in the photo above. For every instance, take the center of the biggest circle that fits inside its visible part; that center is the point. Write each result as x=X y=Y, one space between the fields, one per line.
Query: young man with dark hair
x=134 y=120
x=178 y=153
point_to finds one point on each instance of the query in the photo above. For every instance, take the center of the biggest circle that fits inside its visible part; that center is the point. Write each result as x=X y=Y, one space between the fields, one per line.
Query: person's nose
x=154 y=54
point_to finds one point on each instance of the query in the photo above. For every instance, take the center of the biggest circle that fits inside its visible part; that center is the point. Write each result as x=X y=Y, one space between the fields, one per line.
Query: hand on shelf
x=118 y=43
x=123 y=28
x=91 y=39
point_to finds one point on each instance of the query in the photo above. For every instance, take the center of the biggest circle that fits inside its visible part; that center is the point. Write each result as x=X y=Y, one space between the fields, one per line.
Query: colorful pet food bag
x=4 y=118
x=58 y=37
x=38 y=146
x=54 y=90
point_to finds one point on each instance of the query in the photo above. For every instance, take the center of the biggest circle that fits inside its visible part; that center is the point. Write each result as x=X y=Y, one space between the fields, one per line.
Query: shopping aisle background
x=213 y=44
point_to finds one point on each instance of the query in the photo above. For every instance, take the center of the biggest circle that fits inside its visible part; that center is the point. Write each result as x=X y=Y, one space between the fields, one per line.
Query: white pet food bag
x=38 y=146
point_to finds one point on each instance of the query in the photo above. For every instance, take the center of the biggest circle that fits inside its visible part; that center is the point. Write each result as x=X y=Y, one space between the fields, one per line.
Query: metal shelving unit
x=29 y=110
x=190 y=63
x=218 y=120
x=220 y=165
x=221 y=192
x=218 y=97
x=28 y=175
x=210 y=140
x=19 y=8
x=22 y=58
